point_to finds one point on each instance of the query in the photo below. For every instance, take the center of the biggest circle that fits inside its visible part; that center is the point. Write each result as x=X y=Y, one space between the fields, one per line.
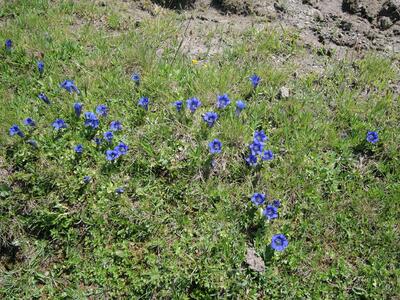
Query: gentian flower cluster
x=79 y=149
x=120 y=149
x=108 y=136
x=257 y=148
x=240 y=105
x=279 y=242
x=91 y=120
x=78 y=109
x=135 y=78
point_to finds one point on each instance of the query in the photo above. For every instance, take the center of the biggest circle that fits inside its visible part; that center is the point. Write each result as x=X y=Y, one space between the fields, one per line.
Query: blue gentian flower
x=258 y=199
x=121 y=148
x=276 y=203
x=32 y=143
x=136 y=78
x=240 y=105
x=79 y=149
x=255 y=80
x=193 y=104
x=178 y=105
x=215 y=146
x=256 y=148
x=144 y=102
x=40 y=66
x=279 y=242
x=210 y=118
x=372 y=137
x=108 y=136
x=44 y=98
x=112 y=155
x=97 y=141
x=8 y=44
x=267 y=155
x=102 y=110
x=223 y=101
x=29 y=122
x=59 y=124
x=251 y=160
x=116 y=126
x=91 y=120
x=270 y=212
x=15 y=130
x=86 y=179
x=78 y=109
x=70 y=86
x=260 y=136
x=119 y=190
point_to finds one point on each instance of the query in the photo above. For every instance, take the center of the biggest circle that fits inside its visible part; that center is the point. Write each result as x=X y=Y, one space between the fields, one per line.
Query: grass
x=181 y=230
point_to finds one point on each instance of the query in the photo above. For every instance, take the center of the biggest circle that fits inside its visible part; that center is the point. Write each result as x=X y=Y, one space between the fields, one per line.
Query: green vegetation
x=180 y=230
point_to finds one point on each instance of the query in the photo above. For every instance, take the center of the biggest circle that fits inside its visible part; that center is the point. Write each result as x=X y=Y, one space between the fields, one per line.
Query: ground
x=184 y=226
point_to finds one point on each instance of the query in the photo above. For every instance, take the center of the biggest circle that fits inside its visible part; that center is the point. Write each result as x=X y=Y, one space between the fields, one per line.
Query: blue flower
x=267 y=155
x=91 y=120
x=59 y=124
x=116 y=126
x=119 y=190
x=255 y=80
x=15 y=130
x=136 y=78
x=251 y=160
x=279 y=242
x=86 y=179
x=40 y=66
x=121 y=148
x=260 y=136
x=79 y=149
x=144 y=102
x=240 y=105
x=108 y=136
x=210 y=118
x=32 y=143
x=97 y=141
x=256 y=148
x=223 y=101
x=276 y=203
x=70 y=86
x=178 y=105
x=78 y=109
x=8 y=44
x=215 y=146
x=372 y=137
x=112 y=155
x=102 y=110
x=29 y=122
x=258 y=198
x=44 y=98
x=270 y=212
x=193 y=104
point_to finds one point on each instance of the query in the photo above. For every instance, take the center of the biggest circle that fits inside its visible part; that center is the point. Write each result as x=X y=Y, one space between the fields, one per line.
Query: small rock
x=284 y=93
x=385 y=23
x=255 y=262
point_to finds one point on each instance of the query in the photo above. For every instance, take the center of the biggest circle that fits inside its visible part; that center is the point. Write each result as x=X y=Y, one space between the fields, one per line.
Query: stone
x=284 y=93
